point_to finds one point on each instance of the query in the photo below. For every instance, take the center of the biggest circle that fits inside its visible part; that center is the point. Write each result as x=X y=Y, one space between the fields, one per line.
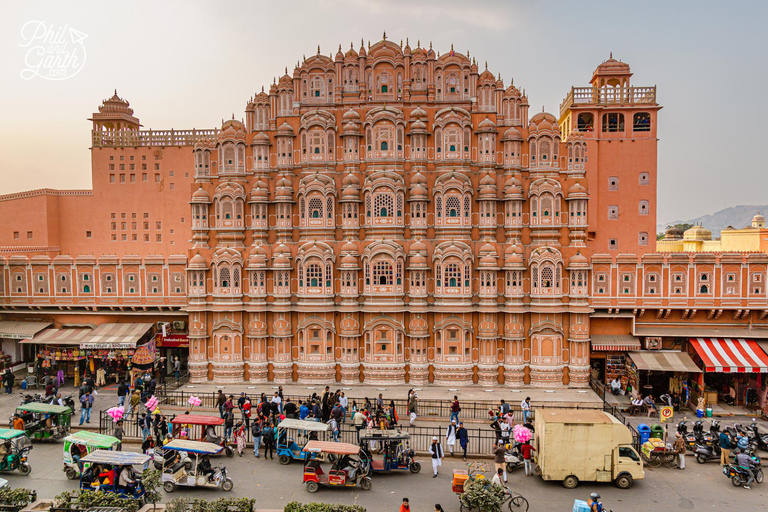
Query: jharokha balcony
x=608 y=96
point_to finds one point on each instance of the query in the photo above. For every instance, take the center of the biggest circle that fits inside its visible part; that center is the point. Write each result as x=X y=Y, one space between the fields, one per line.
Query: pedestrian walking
x=504 y=407
x=455 y=409
x=525 y=405
x=505 y=429
x=380 y=402
x=240 y=437
x=146 y=426
x=122 y=391
x=498 y=459
x=725 y=448
x=118 y=433
x=436 y=452
x=220 y=401
x=527 y=451
x=450 y=437
x=268 y=438
x=229 y=423
x=86 y=403
x=406 y=506
x=334 y=428
x=413 y=408
x=8 y=380
x=176 y=368
x=463 y=436
x=256 y=434
x=679 y=448
x=303 y=410
x=344 y=403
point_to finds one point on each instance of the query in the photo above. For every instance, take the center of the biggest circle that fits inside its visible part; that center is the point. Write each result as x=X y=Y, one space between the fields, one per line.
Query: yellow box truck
x=585 y=445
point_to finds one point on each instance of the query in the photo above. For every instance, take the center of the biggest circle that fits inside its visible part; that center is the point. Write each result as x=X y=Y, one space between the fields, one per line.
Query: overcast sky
x=189 y=64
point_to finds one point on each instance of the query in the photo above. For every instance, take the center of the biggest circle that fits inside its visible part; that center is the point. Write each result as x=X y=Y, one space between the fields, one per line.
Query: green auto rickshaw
x=14 y=451
x=45 y=421
x=80 y=444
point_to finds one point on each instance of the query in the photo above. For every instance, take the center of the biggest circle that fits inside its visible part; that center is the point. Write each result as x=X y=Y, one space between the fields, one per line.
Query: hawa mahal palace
x=384 y=214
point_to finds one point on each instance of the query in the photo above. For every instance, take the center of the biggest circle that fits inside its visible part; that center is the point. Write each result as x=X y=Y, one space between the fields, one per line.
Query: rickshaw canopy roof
x=384 y=435
x=197 y=419
x=95 y=439
x=293 y=424
x=200 y=447
x=44 y=408
x=116 y=458
x=331 y=447
x=9 y=433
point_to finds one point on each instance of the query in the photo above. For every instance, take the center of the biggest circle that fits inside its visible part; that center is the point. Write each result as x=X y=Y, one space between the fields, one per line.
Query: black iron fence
x=427 y=407
x=481 y=439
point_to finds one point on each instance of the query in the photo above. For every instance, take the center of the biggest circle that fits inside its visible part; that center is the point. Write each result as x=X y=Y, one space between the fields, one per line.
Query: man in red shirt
x=527 y=449
x=406 y=506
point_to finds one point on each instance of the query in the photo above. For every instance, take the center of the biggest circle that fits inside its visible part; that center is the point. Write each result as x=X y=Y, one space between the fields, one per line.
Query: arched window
x=383 y=205
x=453 y=275
x=641 y=122
x=224 y=279
x=314 y=275
x=452 y=206
x=586 y=122
x=315 y=208
x=613 y=122
x=382 y=273
x=384 y=146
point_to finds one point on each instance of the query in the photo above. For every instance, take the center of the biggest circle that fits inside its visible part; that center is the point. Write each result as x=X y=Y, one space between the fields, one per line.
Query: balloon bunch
x=194 y=401
x=151 y=404
x=521 y=434
x=116 y=413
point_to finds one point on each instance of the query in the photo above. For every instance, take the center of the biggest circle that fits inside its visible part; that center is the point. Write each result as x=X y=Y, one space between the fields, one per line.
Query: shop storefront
x=657 y=372
x=735 y=371
x=608 y=358
x=172 y=346
x=105 y=352
x=11 y=334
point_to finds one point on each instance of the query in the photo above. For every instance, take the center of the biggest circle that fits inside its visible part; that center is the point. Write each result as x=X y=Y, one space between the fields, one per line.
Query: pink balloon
x=194 y=401
x=152 y=403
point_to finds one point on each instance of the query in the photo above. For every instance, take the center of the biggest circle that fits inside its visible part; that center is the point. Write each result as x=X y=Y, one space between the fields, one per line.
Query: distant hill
x=735 y=216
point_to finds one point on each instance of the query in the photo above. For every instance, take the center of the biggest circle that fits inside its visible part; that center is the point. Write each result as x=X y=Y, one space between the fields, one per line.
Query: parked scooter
x=701 y=436
x=759 y=440
x=514 y=458
x=706 y=453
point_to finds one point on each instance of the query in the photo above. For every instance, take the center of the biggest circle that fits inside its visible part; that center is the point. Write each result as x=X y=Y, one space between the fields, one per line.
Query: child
x=527 y=449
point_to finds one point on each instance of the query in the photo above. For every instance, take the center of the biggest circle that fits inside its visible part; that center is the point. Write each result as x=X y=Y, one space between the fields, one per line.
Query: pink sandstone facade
x=381 y=215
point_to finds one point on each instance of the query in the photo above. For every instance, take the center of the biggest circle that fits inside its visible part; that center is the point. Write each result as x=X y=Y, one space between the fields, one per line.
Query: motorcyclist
x=594 y=503
x=744 y=461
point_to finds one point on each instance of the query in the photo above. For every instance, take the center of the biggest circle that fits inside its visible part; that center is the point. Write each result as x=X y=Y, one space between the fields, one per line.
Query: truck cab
x=627 y=466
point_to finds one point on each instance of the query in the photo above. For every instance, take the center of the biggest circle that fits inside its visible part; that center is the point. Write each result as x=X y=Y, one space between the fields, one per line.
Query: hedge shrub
x=295 y=506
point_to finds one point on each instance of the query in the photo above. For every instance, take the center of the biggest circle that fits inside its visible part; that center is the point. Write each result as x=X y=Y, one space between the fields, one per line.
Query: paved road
x=700 y=487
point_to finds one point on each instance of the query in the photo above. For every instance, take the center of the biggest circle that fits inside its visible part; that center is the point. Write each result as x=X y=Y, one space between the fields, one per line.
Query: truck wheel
x=71 y=473
x=570 y=482
x=366 y=484
x=169 y=487
x=25 y=469
x=415 y=467
x=624 y=481
x=312 y=486
x=284 y=460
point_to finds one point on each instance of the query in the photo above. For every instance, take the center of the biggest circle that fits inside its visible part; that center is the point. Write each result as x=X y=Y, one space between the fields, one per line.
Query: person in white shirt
x=616 y=386
x=343 y=402
x=450 y=436
x=525 y=405
x=436 y=451
x=276 y=401
x=498 y=478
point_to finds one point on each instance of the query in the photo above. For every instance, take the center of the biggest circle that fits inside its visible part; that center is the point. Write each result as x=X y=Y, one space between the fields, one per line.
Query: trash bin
x=709 y=412
x=657 y=432
x=699 y=413
x=645 y=432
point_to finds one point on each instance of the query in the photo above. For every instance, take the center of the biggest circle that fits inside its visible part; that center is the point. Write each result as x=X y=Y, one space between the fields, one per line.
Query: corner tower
x=618 y=122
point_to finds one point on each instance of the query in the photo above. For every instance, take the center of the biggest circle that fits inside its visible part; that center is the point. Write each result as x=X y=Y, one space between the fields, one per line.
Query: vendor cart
x=655 y=453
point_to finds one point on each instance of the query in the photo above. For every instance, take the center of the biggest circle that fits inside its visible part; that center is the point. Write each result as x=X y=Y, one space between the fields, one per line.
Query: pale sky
x=189 y=64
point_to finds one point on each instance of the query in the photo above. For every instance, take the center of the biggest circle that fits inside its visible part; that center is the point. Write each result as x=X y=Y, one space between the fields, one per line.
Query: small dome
x=544 y=121
x=673 y=233
x=578 y=260
x=349 y=247
x=577 y=190
x=419 y=125
x=349 y=261
x=417 y=260
x=758 y=221
x=697 y=233
x=513 y=189
x=260 y=193
x=351 y=128
x=232 y=129
x=261 y=139
x=285 y=130
x=486 y=126
x=198 y=262
x=258 y=258
x=205 y=143
x=350 y=180
x=418 y=190
x=612 y=66
x=487 y=261
x=201 y=196
x=512 y=134
x=418 y=113
x=418 y=246
x=351 y=115
x=350 y=192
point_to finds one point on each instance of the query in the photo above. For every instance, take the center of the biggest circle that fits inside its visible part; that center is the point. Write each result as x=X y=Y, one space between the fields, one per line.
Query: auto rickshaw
x=178 y=475
x=14 y=451
x=334 y=465
x=207 y=432
x=396 y=453
x=289 y=430
x=102 y=468
x=45 y=421
x=80 y=444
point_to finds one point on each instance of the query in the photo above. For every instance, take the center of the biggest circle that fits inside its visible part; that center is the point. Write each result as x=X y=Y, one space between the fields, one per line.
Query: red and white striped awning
x=731 y=355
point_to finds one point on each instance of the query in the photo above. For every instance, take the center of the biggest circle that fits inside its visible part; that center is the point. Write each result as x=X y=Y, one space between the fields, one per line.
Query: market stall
x=661 y=371
x=11 y=335
x=608 y=356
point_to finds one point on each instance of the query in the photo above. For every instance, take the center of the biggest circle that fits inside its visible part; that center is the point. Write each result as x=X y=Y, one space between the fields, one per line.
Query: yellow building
x=752 y=238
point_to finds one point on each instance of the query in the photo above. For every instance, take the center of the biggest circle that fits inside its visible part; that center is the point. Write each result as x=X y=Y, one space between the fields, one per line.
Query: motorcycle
x=691 y=440
x=739 y=475
x=714 y=429
x=69 y=402
x=706 y=453
x=700 y=435
x=513 y=458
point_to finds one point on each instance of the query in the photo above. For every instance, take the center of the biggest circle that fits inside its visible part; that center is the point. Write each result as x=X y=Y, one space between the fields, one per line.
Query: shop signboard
x=173 y=341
